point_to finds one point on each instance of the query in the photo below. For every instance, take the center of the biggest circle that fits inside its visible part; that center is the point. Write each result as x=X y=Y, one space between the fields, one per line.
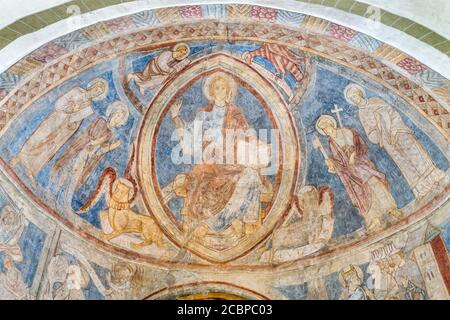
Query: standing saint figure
x=81 y=157
x=218 y=195
x=367 y=187
x=59 y=126
x=385 y=127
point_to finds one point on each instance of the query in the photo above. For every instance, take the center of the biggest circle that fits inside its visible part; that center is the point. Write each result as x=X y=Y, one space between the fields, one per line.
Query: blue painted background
x=193 y=101
x=31 y=244
x=328 y=90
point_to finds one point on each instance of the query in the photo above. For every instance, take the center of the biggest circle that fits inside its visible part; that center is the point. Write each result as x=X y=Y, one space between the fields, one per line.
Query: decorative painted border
x=74 y=52
x=228 y=289
x=56 y=62
x=47 y=17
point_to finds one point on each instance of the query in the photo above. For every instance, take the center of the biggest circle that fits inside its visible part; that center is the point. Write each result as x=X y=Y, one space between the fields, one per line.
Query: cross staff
x=337 y=111
x=318 y=145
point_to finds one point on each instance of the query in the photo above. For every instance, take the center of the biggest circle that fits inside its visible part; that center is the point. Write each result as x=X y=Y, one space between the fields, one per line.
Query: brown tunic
x=97 y=130
x=355 y=176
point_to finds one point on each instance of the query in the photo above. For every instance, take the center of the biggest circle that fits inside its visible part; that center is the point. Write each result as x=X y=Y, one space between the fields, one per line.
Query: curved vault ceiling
x=89 y=178
x=405 y=24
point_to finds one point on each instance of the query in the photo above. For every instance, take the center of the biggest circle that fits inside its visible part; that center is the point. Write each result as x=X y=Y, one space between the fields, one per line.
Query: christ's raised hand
x=175 y=110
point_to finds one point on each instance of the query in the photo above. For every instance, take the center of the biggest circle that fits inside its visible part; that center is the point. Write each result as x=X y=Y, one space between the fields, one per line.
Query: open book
x=255 y=154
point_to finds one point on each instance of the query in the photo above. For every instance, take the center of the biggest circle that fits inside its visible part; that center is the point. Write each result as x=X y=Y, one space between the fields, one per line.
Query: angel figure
x=119 y=218
x=159 y=68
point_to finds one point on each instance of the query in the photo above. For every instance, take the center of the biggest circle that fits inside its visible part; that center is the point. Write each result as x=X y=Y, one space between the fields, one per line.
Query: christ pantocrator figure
x=219 y=196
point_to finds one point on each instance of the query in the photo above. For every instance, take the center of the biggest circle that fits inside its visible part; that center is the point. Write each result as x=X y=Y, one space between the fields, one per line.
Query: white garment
x=385 y=127
x=244 y=203
x=55 y=130
x=206 y=127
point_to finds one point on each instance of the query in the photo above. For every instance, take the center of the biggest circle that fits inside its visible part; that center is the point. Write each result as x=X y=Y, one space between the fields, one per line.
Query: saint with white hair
x=385 y=127
x=82 y=156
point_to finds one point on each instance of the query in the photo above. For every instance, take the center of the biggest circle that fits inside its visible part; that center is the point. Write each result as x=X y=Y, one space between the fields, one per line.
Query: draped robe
x=282 y=58
x=216 y=193
x=98 y=130
x=55 y=130
x=157 y=70
x=390 y=132
x=78 y=161
x=12 y=285
x=365 y=185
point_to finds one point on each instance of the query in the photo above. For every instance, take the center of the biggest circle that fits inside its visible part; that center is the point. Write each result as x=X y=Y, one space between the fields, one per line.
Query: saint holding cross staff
x=367 y=188
x=338 y=111
x=316 y=141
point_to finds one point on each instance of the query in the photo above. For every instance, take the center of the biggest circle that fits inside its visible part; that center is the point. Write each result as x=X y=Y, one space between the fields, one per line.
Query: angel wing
x=130 y=173
x=104 y=185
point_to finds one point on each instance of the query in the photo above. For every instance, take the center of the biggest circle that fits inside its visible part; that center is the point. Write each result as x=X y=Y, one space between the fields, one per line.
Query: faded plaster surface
x=436 y=60
x=116 y=180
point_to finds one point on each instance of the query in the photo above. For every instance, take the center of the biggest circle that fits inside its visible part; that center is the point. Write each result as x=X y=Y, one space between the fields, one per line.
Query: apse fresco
x=145 y=159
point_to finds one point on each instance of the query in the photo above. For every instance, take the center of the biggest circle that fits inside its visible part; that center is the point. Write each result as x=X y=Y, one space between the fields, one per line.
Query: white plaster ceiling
x=12 y=10
x=433 y=14
x=438 y=11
